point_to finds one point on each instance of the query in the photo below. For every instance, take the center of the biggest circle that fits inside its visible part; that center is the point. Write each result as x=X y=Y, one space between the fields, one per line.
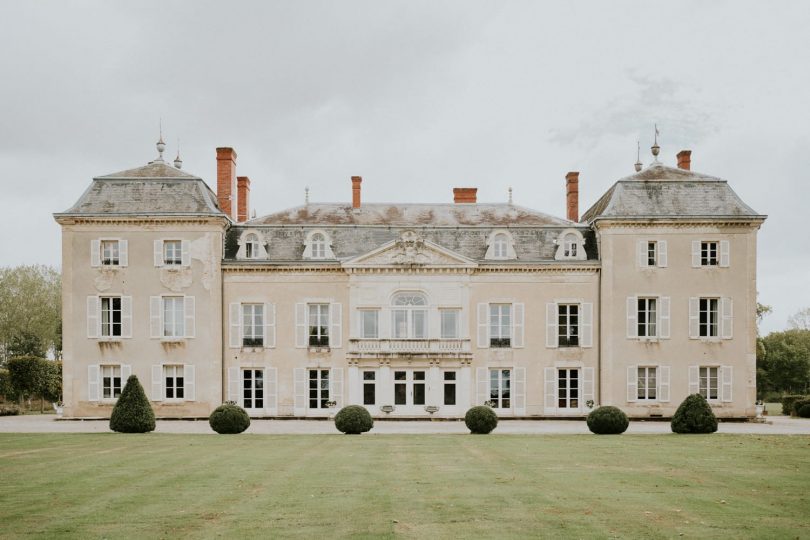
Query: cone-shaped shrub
x=229 y=419
x=353 y=420
x=694 y=415
x=132 y=412
x=481 y=419
x=607 y=420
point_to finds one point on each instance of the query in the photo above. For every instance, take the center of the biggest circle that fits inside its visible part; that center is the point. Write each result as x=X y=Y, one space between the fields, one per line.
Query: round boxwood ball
x=229 y=419
x=608 y=420
x=694 y=415
x=804 y=411
x=481 y=419
x=353 y=420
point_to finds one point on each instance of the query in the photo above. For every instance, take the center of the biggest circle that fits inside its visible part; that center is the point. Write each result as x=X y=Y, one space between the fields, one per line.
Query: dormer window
x=251 y=246
x=318 y=245
x=500 y=246
x=570 y=246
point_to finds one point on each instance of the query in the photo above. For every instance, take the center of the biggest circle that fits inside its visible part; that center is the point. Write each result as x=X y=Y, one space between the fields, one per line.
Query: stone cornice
x=312 y=269
x=679 y=223
x=140 y=220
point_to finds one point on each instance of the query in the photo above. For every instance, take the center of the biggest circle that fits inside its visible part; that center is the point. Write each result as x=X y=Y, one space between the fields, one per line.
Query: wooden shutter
x=95 y=253
x=93 y=318
x=551 y=325
x=269 y=325
x=641 y=253
x=517 y=326
x=694 y=379
x=301 y=326
x=93 y=382
x=725 y=253
x=550 y=389
x=336 y=387
x=588 y=393
x=727 y=314
x=726 y=383
x=155 y=317
x=158 y=253
x=335 y=325
x=188 y=308
x=123 y=253
x=235 y=385
x=185 y=255
x=189 y=383
x=482 y=385
x=662 y=254
x=663 y=383
x=586 y=325
x=126 y=371
x=300 y=384
x=126 y=316
x=695 y=253
x=694 y=320
x=632 y=383
x=632 y=317
x=483 y=325
x=663 y=318
x=157 y=382
x=235 y=324
x=271 y=389
x=520 y=391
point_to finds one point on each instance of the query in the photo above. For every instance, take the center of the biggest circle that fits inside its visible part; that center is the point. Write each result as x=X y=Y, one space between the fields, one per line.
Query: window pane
x=449 y=323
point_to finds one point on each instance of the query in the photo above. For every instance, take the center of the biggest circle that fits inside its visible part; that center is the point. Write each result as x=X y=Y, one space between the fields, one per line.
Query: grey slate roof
x=665 y=192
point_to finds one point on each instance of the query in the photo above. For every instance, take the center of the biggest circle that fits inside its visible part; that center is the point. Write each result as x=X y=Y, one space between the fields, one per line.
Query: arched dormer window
x=317 y=246
x=251 y=245
x=570 y=246
x=409 y=316
x=570 y=243
x=500 y=246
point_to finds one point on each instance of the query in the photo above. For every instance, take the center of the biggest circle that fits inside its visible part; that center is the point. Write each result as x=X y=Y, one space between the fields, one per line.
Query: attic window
x=318 y=246
x=500 y=246
x=251 y=246
x=570 y=246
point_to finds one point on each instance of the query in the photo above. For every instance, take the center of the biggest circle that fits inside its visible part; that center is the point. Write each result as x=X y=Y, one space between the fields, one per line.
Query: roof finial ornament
x=638 y=164
x=161 y=146
x=510 y=194
x=177 y=161
x=306 y=195
x=655 y=148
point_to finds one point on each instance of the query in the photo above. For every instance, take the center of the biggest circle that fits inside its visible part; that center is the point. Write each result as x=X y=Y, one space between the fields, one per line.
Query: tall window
x=318 y=246
x=709 y=254
x=173 y=377
x=110 y=253
x=111 y=316
x=709 y=382
x=253 y=388
x=110 y=382
x=173 y=317
x=318 y=325
x=449 y=323
x=500 y=325
x=369 y=388
x=369 y=323
x=647 y=383
x=449 y=387
x=318 y=388
x=409 y=316
x=652 y=257
x=568 y=325
x=647 y=317
x=709 y=318
x=500 y=395
x=252 y=325
x=570 y=245
x=499 y=246
x=251 y=246
x=172 y=252
x=568 y=388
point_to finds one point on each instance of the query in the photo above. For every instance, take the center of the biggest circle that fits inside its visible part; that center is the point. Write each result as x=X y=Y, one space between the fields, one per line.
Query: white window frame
x=372 y=314
x=570 y=246
x=253 y=323
x=160 y=253
x=567 y=397
x=455 y=325
x=643 y=374
x=647 y=324
x=572 y=330
x=177 y=322
x=173 y=253
x=109 y=325
x=321 y=395
x=320 y=312
x=252 y=388
x=709 y=324
x=323 y=250
x=368 y=378
x=115 y=257
x=500 y=246
x=97 y=253
x=706 y=256
x=500 y=383
x=251 y=245
x=109 y=371
x=705 y=379
x=411 y=312
x=173 y=372
x=447 y=381
x=498 y=329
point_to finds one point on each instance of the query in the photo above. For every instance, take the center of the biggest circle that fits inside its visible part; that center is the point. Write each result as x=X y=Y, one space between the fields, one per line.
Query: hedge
x=229 y=419
x=694 y=415
x=607 y=420
x=481 y=420
x=132 y=412
x=353 y=420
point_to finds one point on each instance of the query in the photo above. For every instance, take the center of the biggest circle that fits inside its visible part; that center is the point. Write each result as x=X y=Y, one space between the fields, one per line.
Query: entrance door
x=409 y=388
x=568 y=390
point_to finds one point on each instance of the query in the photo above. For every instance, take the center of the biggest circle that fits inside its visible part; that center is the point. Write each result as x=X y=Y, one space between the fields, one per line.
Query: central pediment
x=410 y=250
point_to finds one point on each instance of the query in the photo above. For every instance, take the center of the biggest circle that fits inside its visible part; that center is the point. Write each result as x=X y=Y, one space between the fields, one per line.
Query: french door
x=568 y=390
x=409 y=387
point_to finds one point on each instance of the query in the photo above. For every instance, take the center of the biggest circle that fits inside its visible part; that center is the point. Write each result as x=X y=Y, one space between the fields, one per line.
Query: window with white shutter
x=483 y=325
x=663 y=383
x=728 y=318
x=519 y=390
x=586 y=325
x=517 y=327
x=662 y=254
x=269 y=325
x=300 y=391
x=551 y=325
x=726 y=381
x=93 y=382
x=725 y=253
x=632 y=383
x=632 y=316
x=157 y=382
x=93 y=321
x=189 y=382
x=482 y=386
x=336 y=324
x=235 y=326
x=550 y=390
x=190 y=319
x=301 y=328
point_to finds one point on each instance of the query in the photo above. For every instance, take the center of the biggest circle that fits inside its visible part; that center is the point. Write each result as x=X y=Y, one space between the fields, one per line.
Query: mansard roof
x=660 y=192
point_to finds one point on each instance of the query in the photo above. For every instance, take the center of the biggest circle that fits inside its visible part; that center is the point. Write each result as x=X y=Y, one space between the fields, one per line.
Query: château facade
x=411 y=310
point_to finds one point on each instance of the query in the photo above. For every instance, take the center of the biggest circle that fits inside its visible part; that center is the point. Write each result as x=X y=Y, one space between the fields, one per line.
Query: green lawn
x=428 y=486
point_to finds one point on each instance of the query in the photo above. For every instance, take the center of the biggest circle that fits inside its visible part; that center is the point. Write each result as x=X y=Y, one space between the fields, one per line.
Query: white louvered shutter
x=695 y=253
x=300 y=387
x=157 y=252
x=694 y=318
x=725 y=253
x=632 y=383
x=126 y=316
x=336 y=387
x=155 y=317
x=126 y=371
x=641 y=253
x=95 y=253
x=588 y=393
x=123 y=253
x=550 y=389
x=483 y=325
x=518 y=325
x=694 y=379
x=157 y=382
x=269 y=325
x=727 y=313
x=189 y=383
x=300 y=325
x=271 y=389
x=520 y=391
x=93 y=319
x=482 y=385
x=93 y=383
x=586 y=325
x=663 y=383
x=663 y=258
x=185 y=253
x=632 y=317
x=235 y=325
x=726 y=380
x=551 y=325
x=335 y=325
x=189 y=309
x=663 y=318
x=235 y=385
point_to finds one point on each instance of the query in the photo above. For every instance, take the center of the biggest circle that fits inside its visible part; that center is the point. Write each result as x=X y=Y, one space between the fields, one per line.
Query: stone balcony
x=423 y=348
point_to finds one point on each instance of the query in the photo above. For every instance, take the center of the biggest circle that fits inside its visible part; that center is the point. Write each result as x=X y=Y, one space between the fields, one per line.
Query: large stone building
x=411 y=310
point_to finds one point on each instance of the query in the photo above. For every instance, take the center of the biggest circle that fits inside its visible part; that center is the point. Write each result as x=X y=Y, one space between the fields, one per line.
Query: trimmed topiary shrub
x=229 y=419
x=694 y=415
x=798 y=404
x=353 y=420
x=481 y=420
x=788 y=402
x=804 y=410
x=608 y=420
x=132 y=412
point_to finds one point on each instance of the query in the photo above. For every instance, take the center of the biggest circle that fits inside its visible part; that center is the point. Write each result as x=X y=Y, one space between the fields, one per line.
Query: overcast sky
x=416 y=97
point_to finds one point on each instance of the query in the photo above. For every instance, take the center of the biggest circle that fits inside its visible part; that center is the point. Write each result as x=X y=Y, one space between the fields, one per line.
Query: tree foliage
x=132 y=412
x=30 y=311
x=800 y=320
x=783 y=363
x=30 y=376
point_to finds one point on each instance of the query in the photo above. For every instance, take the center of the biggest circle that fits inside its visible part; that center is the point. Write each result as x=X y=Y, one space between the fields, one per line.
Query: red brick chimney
x=572 y=195
x=685 y=160
x=243 y=192
x=465 y=195
x=226 y=181
x=356 y=181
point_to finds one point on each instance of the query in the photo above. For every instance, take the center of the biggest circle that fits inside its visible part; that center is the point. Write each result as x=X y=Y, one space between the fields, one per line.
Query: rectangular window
x=500 y=395
x=409 y=323
x=369 y=388
x=709 y=382
x=709 y=254
x=110 y=253
x=568 y=388
x=568 y=325
x=500 y=325
x=369 y=323
x=111 y=316
x=173 y=317
x=173 y=377
x=252 y=325
x=110 y=382
x=318 y=325
x=253 y=388
x=409 y=387
x=652 y=253
x=647 y=317
x=450 y=323
x=647 y=382
x=449 y=387
x=708 y=317
x=172 y=252
x=318 y=388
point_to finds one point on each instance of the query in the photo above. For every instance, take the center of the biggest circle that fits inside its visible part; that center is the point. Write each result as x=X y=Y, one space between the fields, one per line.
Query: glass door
x=409 y=389
x=568 y=390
